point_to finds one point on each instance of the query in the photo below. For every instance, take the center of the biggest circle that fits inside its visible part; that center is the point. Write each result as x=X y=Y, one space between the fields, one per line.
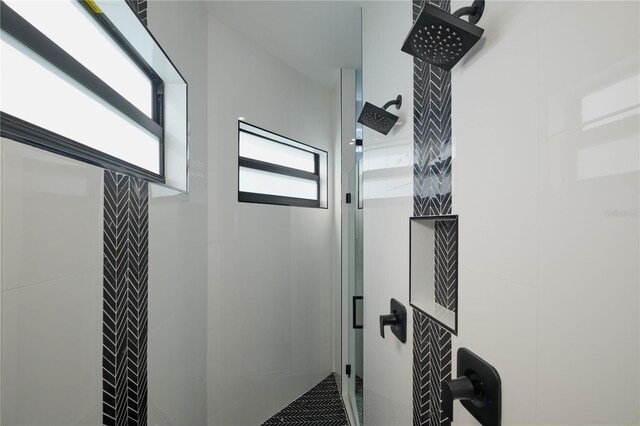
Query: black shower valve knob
x=389 y=319
x=396 y=321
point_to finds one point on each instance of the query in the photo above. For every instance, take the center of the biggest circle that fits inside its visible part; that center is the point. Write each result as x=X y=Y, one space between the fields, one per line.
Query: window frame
x=23 y=131
x=280 y=200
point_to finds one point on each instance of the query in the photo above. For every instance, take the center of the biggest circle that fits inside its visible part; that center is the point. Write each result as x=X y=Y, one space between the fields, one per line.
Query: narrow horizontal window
x=259 y=148
x=87 y=80
x=273 y=169
x=261 y=182
x=63 y=106
x=68 y=24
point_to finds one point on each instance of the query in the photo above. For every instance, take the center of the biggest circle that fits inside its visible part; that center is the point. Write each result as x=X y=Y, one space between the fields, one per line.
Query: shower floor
x=321 y=406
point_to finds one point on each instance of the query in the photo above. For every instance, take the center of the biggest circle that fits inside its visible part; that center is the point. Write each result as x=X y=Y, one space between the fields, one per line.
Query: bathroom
x=311 y=222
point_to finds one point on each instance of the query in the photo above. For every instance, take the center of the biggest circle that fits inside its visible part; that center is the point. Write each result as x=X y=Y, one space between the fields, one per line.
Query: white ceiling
x=316 y=38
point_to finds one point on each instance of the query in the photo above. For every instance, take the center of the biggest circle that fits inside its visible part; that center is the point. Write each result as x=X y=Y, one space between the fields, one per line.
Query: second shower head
x=379 y=119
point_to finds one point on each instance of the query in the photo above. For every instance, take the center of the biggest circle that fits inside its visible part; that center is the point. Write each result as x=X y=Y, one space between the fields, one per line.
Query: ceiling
x=316 y=38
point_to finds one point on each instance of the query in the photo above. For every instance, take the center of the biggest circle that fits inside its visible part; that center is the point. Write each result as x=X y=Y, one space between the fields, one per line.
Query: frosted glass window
x=70 y=26
x=37 y=92
x=262 y=182
x=259 y=148
x=274 y=169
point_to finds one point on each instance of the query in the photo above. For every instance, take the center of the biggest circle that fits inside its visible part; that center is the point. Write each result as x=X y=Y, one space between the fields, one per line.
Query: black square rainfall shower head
x=441 y=38
x=377 y=118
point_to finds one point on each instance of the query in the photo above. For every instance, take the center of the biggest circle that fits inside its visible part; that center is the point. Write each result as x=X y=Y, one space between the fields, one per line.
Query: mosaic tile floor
x=321 y=406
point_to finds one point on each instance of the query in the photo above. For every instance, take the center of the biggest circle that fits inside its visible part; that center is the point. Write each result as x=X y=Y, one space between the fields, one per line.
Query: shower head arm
x=463 y=11
x=397 y=102
x=474 y=12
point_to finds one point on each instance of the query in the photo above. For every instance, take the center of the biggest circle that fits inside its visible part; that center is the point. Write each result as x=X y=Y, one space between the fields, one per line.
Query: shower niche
x=433 y=268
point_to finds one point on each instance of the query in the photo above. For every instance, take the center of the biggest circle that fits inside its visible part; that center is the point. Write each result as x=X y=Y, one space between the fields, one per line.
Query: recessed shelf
x=433 y=268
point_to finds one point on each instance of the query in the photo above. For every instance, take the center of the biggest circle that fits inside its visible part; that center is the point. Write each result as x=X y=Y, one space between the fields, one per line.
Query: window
x=86 y=79
x=273 y=169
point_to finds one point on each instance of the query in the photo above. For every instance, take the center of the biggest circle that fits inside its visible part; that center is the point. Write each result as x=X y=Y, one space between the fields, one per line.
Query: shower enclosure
x=352 y=247
x=353 y=320
x=356 y=293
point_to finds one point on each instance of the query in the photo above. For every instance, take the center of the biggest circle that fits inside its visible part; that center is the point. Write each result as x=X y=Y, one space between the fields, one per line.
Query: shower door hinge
x=348 y=198
x=348 y=370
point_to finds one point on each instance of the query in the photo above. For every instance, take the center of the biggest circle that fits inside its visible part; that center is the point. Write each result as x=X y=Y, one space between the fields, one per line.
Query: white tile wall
x=502 y=110
x=500 y=326
x=588 y=300
x=178 y=239
x=546 y=183
x=271 y=268
x=51 y=210
x=51 y=289
x=388 y=204
x=546 y=131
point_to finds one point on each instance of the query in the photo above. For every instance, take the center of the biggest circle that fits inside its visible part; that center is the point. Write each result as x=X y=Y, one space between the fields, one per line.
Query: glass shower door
x=356 y=306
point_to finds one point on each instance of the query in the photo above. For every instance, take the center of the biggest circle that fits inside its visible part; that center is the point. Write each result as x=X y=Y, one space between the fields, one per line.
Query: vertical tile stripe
x=126 y=258
x=125 y=292
x=446 y=264
x=431 y=134
x=432 y=192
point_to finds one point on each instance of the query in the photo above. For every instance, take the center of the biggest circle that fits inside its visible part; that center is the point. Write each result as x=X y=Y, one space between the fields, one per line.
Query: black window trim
x=251 y=163
x=277 y=200
x=158 y=85
x=252 y=197
x=22 y=131
x=14 y=128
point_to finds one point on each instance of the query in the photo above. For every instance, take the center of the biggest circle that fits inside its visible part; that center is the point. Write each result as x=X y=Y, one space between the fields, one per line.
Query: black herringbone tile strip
x=446 y=263
x=114 y=277
x=445 y=355
x=431 y=366
x=421 y=390
x=126 y=231
x=125 y=292
x=432 y=133
x=320 y=406
x=432 y=192
x=139 y=292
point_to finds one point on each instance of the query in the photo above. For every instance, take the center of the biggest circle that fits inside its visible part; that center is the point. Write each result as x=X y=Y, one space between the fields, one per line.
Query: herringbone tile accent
x=432 y=134
x=440 y=366
x=125 y=292
x=126 y=231
x=446 y=263
x=431 y=366
x=432 y=196
x=421 y=390
x=321 y=406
